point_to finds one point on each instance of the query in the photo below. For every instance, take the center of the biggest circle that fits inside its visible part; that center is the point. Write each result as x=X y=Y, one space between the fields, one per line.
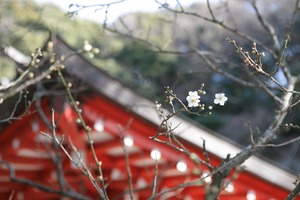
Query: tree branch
x=42 y=187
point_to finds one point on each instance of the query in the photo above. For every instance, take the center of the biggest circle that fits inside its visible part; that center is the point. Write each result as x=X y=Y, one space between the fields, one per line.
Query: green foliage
x=154 y=27
x=132 y=62
x=28 y=30
x=7 y=68
x=20 y=25
x=148 y=70
x=150 y=64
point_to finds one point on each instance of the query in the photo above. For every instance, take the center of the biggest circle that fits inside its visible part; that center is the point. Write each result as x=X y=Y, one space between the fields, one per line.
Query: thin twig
x=207 y=159
x=282 y=144
x=11 y=117
x=87 y=129
x=129 y=174
x=223 y=25
x=214 y=68
x=57 y=161
x=290 y=25
x=210 y=10
x=171 y=145
x=11 y=196
x=294 y=193
x=251 y=134
x=267 y=26
x=39 y=186
x=154 y=189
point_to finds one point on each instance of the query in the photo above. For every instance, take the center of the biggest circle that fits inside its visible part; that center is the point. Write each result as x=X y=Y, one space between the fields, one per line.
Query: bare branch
x=295 y=192
x=218 y=180
x=97 y=7
x=284 y=143
x=210 y=10
x=87 y=129
x=11 y=117
x=223 y=25
x=267 y=26
x=154 y=189
x=129 y=174
x=40 y=186
x=266 y=137
x=205 y=153
x=291 y=23
x=213 y=67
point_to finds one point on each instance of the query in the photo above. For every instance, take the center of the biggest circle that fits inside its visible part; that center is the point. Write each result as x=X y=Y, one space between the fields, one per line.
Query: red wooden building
x=118 y=115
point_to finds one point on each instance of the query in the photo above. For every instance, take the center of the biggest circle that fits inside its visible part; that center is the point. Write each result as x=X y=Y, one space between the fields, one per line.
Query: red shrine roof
x=118 y=115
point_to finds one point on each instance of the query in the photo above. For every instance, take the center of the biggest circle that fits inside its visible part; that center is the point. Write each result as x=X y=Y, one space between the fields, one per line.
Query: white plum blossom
x=220 y=98
x=193 y=99
x=87 y=47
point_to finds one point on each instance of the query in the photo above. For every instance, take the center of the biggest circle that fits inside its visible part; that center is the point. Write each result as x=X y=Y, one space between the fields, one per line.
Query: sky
x=115 y=10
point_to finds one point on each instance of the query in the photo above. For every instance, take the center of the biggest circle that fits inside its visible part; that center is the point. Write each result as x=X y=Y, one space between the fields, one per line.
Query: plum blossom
x=220 y=98
x=193 y=99
x=87 y=47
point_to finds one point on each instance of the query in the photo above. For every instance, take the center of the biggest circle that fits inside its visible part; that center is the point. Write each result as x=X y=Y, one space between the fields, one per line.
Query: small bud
x=90 y=55
x=195 y=158
x=52 y=68
x=31 y=75
x=78 y=121
x=88 y=129
x=196 y=171
x=99 y=178
x=96 y=50
x=69 y=85
x=52 y=59
x=32 y=64
x=158 y=105
x=63 y=57
x=50 y=46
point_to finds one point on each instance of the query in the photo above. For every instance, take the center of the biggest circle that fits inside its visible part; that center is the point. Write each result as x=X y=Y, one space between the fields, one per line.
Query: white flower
x=193 y=99
x=220 y=99
x=87 y=47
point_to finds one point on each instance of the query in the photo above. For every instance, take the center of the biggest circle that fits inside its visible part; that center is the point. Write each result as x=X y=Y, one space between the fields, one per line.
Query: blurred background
x=26 y=25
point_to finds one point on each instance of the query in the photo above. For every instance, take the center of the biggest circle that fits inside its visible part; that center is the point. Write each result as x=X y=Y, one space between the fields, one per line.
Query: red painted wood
x=113 y=116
